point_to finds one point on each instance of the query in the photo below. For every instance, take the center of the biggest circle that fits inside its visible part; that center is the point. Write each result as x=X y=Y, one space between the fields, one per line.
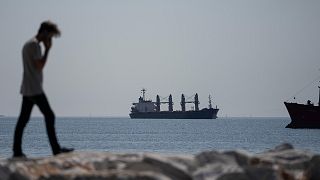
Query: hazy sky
x=249 y=55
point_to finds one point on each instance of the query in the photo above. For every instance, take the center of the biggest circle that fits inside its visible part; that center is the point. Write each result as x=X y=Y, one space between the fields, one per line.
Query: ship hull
x=303 y=116
x=202 y=114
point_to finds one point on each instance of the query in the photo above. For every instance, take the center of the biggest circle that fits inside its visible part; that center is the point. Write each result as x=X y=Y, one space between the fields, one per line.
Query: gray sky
x=250 y=55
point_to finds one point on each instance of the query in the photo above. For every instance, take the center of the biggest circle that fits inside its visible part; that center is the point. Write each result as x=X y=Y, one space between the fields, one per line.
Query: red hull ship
x=304 y=115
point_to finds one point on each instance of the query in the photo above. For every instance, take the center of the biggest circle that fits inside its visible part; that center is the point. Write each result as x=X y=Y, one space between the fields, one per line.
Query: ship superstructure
x=149 y=109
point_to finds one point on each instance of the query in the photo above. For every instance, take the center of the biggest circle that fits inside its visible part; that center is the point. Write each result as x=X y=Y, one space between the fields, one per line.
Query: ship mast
x=143 y=92
x=210 y=105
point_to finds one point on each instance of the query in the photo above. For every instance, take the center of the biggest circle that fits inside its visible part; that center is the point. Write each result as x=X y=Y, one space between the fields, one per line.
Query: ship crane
x=184 y=102
x=169 y=102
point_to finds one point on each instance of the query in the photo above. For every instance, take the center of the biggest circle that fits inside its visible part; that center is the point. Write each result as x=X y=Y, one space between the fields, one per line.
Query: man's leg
x=43 y=104
x=23 y=119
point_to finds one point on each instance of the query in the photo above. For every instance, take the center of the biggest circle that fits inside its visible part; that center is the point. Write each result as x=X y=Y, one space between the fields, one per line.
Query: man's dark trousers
x=27 y=104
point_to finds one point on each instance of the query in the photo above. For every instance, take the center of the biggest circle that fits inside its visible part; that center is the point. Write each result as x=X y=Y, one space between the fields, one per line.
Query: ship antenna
x=210 y=105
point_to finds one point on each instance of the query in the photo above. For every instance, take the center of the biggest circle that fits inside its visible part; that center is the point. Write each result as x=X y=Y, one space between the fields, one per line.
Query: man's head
x=48 y=29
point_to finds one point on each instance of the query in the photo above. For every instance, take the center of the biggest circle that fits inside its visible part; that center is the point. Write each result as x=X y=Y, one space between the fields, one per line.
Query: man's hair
x=50 y=27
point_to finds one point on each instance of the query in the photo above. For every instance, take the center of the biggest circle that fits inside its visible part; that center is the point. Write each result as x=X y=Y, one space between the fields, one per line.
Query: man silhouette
x=31 y=88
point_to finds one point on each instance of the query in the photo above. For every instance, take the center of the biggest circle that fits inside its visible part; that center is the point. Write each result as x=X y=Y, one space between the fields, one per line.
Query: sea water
x=159 y=135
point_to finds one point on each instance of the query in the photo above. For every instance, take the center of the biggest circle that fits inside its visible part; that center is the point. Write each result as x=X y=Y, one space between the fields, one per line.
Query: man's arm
x=40 y=63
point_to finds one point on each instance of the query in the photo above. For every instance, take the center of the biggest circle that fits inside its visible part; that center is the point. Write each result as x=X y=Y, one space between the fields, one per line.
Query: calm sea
x=164 y=136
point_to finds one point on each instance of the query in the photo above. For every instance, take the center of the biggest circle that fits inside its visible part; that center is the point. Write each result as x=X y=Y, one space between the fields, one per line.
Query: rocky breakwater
x=282 y=162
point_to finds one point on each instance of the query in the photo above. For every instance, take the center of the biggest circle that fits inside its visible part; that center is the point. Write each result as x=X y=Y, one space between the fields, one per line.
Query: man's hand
x=47 y=43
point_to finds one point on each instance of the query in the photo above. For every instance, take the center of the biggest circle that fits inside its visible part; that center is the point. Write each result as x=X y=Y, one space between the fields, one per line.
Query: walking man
x=31 y=88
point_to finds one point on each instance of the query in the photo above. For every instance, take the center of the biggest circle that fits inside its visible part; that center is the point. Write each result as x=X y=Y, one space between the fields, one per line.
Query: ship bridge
x=143 y=105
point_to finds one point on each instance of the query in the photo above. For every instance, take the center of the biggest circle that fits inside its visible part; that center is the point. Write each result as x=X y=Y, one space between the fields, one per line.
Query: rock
x=268 y=173
x=160 y=164
x=282 y=147
x=313 y=170
x=112 y=175
x=210 y=157
x=216 y=165
x=216 y=170
x=168 y=167
x=290 y=159
x=253 y=173
x=13 y=171
x=241 y=158
x=281 y=163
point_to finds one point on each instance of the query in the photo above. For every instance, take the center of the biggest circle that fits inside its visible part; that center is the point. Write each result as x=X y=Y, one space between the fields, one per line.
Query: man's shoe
x=63 y=150
x=19 y=155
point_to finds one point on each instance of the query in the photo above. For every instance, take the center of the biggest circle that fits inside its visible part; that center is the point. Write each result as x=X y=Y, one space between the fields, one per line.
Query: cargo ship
x=304 y=115
x=152 y=110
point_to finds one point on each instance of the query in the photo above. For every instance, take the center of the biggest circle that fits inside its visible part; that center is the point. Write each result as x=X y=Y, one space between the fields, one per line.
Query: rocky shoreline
x=282 y=162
